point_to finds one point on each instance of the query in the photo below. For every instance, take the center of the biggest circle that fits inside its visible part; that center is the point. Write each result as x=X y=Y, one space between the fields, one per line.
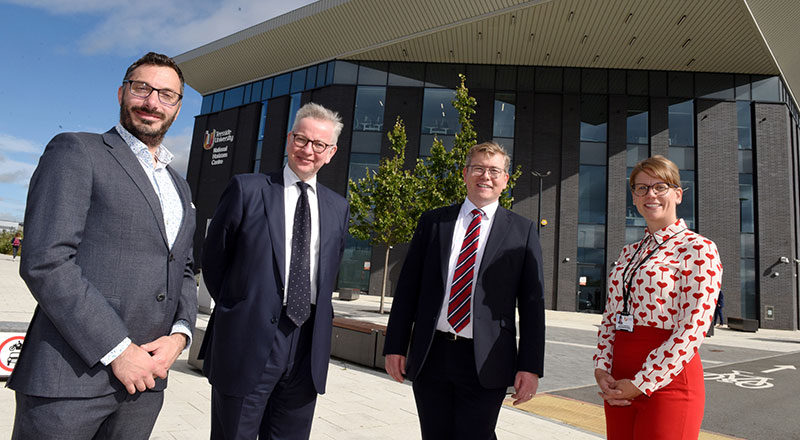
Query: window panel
x=504 y=115
x=368 y=115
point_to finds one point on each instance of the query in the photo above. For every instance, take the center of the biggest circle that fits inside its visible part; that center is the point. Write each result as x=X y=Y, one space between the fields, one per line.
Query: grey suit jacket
x=98 y=263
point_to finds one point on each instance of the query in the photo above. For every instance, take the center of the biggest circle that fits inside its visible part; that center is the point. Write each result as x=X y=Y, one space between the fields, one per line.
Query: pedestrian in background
x=16 y=242
x=718 y=310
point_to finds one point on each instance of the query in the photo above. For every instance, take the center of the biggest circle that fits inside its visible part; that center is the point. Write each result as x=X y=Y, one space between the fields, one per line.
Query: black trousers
x=451 y=402
x=281 y=406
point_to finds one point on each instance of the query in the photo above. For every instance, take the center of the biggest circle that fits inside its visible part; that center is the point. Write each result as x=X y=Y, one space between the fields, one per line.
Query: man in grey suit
x=109 y=227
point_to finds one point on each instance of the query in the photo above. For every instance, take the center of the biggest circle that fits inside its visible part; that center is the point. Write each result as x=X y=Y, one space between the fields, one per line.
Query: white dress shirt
x=291 y=193
x=464 y=218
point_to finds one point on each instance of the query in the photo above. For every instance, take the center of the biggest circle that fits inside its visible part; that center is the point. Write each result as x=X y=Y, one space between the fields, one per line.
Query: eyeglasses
x=477 y=171
x=659 y=188
x=141 y=89
x=301 y=141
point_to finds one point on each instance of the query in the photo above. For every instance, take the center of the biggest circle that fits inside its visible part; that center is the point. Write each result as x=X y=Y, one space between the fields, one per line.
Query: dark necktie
x=298 y=298
x=458 y=307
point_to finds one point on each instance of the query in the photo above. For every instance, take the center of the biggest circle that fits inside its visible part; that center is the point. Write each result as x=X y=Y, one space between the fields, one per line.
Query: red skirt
x=672 y=412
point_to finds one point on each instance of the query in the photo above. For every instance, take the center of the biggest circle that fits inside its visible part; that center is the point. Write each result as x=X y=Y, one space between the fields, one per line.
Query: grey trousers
x=118 y=416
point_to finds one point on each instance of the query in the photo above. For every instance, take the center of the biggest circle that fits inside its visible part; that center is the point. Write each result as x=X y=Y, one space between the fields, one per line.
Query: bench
x=360 y=342
x=743 y=324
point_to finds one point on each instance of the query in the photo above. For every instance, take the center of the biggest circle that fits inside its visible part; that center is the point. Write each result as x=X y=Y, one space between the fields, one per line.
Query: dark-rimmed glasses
x=478 y=170
x=141 y=89
x=301 y=141
x=659 y=188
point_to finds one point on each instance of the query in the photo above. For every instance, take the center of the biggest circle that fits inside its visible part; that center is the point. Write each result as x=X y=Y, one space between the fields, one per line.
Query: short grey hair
x=316 y=111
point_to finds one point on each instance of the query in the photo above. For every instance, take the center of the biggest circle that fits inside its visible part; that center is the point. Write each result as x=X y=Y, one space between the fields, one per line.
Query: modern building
x=577 y=90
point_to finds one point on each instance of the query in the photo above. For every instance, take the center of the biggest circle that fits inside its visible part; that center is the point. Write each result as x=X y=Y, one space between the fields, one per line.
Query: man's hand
x=136 y=369
x=396 y=366
x=615 y=392
x=525 y=385
x=166 y=349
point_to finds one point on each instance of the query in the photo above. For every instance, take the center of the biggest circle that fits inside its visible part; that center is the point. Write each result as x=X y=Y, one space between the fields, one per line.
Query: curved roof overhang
x=732 y=36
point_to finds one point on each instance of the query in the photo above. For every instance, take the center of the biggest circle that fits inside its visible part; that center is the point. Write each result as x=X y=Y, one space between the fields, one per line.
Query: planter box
x=743 y=324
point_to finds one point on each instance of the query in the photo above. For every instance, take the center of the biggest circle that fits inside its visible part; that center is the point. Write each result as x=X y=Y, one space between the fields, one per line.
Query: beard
x=147 y=132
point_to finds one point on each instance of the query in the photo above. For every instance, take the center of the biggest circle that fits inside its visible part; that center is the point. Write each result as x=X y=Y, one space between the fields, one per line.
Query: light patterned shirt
x=171 y=208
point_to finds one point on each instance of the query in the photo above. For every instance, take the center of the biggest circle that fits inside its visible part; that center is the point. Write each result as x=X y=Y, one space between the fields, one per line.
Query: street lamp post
x=540 y=176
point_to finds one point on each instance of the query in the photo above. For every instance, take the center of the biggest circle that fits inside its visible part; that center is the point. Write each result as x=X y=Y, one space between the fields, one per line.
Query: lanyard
x=627 y=277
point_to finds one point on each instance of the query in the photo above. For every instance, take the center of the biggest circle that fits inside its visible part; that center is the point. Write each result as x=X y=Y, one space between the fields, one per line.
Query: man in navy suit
x=270 y=262
x=469 y=269
x=108 y=257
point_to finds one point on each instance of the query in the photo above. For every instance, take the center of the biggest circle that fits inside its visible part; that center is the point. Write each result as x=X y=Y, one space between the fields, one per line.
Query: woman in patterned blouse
x=661 y=299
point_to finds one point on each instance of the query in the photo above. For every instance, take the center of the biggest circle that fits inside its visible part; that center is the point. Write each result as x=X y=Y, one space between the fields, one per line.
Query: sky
x=63 y=61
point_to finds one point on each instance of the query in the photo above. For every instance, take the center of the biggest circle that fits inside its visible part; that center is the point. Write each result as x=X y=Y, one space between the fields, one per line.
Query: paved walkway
x=362 y=403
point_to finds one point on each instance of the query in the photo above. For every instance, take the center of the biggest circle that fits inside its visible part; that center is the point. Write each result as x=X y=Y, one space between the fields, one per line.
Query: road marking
x=779 y=368
x=571 y=344
x=583 y=415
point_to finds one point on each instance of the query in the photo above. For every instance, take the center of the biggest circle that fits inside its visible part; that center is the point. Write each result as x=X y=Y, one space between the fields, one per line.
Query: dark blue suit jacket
x=243 y=268
x=510 y=276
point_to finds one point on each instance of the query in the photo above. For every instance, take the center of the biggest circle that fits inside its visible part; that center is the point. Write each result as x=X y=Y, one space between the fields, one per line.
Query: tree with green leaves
x=384 y=206
x=441 y=173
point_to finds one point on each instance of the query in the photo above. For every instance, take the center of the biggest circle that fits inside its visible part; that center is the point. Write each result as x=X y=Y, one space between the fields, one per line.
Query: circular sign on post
x=9 y=352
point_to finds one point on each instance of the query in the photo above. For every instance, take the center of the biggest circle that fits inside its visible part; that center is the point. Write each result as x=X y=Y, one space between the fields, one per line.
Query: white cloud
x=171 y=27
x=15 y=171
x=179 y=144
x=9 y=143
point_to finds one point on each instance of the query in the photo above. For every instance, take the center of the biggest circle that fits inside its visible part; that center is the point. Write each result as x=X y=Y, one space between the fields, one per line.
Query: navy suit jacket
x=243 y=268
x=98 y=263
x=509 y=277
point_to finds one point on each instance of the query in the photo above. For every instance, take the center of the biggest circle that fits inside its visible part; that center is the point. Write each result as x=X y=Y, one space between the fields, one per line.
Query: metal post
x=540 y=176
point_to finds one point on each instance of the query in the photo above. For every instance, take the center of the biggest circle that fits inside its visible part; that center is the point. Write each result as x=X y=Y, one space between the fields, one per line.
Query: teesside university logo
x=208 y=140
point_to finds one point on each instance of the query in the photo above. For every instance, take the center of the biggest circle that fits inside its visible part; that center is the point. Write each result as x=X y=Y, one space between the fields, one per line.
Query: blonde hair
x=659 y=167
x=490 y=148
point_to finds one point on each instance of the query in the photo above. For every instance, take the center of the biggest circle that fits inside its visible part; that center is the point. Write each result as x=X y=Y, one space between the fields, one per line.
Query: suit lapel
x=123 y=154
x=326 y=225
x=495 y=238
x=186 y=200
x=447 y=228
x=274 y=210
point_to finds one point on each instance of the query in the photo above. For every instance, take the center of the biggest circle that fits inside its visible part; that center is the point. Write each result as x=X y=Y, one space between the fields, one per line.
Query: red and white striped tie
x=458 y=307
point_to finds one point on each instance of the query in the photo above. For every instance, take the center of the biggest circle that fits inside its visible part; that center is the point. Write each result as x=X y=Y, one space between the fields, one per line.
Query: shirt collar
x=139 y=148
x=488 y=210
x=668 y=231
x=290 y=178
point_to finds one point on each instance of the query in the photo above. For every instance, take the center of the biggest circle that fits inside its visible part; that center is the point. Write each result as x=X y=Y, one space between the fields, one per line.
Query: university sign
x=213 y=140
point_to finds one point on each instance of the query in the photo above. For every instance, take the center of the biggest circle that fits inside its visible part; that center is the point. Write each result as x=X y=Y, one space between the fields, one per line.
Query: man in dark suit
x=467 y=268
x=109 y=227
x=270 y=261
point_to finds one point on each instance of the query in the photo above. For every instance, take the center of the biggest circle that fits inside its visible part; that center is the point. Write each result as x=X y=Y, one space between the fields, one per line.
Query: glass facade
x=592 y=189
x=747 y=224
x=436 y=82
x=682 y=150
x=638 y=149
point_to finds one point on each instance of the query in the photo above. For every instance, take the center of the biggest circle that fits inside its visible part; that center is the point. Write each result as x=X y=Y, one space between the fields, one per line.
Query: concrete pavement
x=360 y=403
x=363 y=403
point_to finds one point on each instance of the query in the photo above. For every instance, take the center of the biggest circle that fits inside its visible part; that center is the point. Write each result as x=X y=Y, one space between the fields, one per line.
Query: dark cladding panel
x=275 y=130
x=342 y=99
x=223 y=144
x=567 y=224
x=406 y=103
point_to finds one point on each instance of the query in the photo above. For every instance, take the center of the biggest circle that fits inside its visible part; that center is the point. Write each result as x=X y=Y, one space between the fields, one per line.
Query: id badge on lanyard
x=624 y=322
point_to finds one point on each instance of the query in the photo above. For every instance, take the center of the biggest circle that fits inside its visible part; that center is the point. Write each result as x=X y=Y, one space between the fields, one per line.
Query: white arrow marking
x=779 y=368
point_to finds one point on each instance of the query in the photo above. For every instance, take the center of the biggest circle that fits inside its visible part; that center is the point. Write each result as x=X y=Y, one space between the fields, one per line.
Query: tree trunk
x=385 y=273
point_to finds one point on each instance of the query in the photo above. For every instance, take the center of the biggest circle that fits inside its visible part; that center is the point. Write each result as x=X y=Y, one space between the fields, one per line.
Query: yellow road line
x=583 y=415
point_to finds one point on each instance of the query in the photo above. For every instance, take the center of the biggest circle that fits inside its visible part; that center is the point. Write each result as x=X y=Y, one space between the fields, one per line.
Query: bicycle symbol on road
x=743 y=379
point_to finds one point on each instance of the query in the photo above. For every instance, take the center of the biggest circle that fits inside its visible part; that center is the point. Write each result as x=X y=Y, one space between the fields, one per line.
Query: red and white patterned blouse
x=675 y=289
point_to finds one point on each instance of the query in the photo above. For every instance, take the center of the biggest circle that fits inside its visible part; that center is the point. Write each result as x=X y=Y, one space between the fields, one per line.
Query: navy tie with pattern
x=298 y=297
